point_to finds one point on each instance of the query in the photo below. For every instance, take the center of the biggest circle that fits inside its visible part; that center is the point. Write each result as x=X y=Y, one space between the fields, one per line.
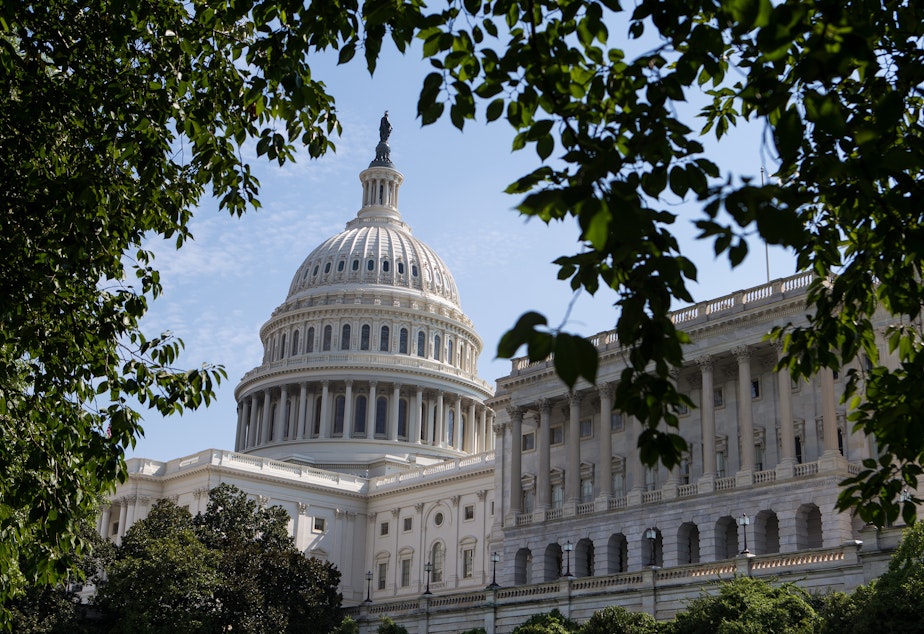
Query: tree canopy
x=117 y=117
x=233 y=567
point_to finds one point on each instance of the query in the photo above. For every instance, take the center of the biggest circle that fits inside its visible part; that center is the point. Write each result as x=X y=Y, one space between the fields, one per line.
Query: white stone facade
x=367 y=422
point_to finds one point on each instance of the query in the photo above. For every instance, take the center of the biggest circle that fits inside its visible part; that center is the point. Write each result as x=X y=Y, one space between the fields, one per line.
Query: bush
x=347 y=626
x=553 y=622
x=618 y=620
x=749 y=606
x=387 y=626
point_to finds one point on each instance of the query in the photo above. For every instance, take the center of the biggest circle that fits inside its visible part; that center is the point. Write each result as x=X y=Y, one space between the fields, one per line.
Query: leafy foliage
x=618 y=620
x=553 y=622
x=746 y=605
x=388 y=626
x=233 y=565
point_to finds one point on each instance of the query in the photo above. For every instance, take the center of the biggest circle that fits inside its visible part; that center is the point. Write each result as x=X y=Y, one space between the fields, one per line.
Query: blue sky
x=220 y=288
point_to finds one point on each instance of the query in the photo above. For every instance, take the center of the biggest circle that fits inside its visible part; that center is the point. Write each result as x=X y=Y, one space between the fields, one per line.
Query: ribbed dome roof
x=375 y=250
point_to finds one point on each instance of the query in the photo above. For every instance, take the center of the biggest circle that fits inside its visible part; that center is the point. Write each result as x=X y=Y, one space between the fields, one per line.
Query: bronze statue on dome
x=384 y=128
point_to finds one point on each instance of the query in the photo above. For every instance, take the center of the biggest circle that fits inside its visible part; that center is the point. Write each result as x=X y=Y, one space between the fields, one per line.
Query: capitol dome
x=369 y=365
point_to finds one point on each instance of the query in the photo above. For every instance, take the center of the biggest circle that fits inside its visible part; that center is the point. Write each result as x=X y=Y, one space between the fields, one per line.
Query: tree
x=117 y=117
x=553 y=622
x=388 y=626
x=747 y=605
x=891 y=604
x=232 y=567
x=616 y=619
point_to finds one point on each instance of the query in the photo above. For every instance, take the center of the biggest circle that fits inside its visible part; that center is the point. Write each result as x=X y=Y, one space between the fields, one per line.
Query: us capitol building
x=448 y=505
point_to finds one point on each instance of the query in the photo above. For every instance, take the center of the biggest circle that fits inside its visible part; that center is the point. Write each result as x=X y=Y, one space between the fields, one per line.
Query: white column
x=325 y=409
x=745 y=415
x=267 y=408
x=828 y=412
x=370 y=412
x=104 y=521
x=416 y=416
x=252 y=436
x=241 y=443
x=635 y=463
x=573 y=477
x=516 y=448
x=457 y=430
x=393 y=425
x=605 y=442
x=123 y=518
x=348 y=410
x=282 y=414
x=240 y=427
x=787 y=429
x=439 y=432
x=468 y=444
x=299 y=431
x=543 y=490
x=707 y=417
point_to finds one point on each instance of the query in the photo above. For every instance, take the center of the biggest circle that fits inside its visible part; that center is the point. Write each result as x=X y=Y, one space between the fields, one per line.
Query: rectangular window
x=529 y=441
x=383 y=529
x=470 y=512
x=587 y=428
x=616 y=423
x=587 y=490
x=558 y=435
x=468 y=563
x=720 y=463
x=320 y=525
x=405 y=573
x=755 y=388
x=759 y=457
x=619 y=484
x=492 y=508
x=408 y=523
x=718 y=397
x=383 y=574
x=558 y=496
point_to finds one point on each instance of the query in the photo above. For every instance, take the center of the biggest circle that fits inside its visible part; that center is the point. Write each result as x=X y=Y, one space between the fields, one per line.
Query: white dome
x=370 y=363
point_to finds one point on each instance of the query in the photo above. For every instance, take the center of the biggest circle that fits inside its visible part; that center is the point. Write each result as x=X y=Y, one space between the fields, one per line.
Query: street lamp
x=568 y=547
x=743 y=522
x=651 y=535
x=368 y=587
x=428 y=568
x=494 y=559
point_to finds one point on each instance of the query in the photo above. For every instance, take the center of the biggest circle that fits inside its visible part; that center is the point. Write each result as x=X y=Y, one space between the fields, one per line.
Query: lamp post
x=428 y=568
x=651 y=535
x=568 y=547
x=368 y=587
x=743 y=522
x=494 y=559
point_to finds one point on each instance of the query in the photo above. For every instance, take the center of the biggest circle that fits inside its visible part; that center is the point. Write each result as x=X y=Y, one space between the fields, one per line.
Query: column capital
x=302 y=508
x=605 y=390
x=349 y=382
x=575 y=398
x=675 y=373
x=705 y=363
x=544 y=405
x=515 y=412
x=742 y=353
x=499 y=427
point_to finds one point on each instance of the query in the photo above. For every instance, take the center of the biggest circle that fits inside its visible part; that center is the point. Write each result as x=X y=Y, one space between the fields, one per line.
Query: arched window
x=437 y=558
x=808 y=527
x=309 y=341
x=688 y=544
x=345 y=337
x=421 y=344
x=384 y=339
x=402 y=418
x=617 y=554
x=294 y=343
x=339 y=409
x=355 y=265
x=400 y=268
x=328 y=335
x=450 y=427
x=381 y=415
x=584 y=563
x=402 y=341
x=386 y=266
x=282 y=346
x=370 y=265
x=364 y=337
x=414 y=270
x=359 y=418
x=340 y=265
x=436 y=347
x=726 y=538
x=449 y=357
x=522 y=567
x=327 y=268
x=552 y=568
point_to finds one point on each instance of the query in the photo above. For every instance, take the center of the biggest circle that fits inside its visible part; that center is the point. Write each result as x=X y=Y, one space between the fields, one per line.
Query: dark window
x=345 y=337
x=327 y=268
x=328 y=335
x=421 y=344
x=364 y=337
x=400 y=268
x=436 y=347
x=315 y=272
x=414 y=270
x=383 y=339
x=309 y=344
x=370 y=265
x=295 y=343
x=402 y=341
x=340 y=265
x=355 y=265
x=381 y=415
x=339 y=407
x=386 y=266
x=402 y=418
x=359 y=424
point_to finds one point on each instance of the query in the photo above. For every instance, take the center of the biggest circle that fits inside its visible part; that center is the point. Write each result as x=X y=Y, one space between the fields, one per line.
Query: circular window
x=438 y=519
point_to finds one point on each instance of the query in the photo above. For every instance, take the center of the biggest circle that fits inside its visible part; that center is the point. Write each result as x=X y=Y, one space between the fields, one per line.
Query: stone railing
x=764 y=477
x=806 y=469
x=465 y=464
